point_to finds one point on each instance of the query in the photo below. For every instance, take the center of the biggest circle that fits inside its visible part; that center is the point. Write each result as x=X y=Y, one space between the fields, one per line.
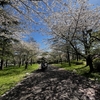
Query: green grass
x=80 y=69
x=10 y=76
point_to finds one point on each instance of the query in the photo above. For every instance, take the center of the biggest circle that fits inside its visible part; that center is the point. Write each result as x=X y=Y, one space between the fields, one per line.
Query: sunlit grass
x=80 y=69
x=10 y=76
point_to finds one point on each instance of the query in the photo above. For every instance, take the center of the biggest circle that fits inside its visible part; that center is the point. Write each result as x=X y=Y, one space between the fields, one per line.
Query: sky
x=41 y=38
x=95 y=2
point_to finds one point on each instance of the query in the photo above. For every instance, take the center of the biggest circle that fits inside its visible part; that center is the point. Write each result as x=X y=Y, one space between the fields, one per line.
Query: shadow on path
x=54 y=84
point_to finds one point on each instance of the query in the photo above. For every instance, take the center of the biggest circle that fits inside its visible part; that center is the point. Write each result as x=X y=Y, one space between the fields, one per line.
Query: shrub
x=96 y=64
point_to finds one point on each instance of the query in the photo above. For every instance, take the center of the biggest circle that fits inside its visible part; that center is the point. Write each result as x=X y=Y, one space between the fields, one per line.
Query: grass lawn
x=10 y=76
x=80 y=69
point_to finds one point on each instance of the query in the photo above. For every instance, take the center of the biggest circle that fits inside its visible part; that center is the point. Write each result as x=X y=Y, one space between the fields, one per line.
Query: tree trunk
x=89 y=63
x=31 y=61
x=61 y=60
x=6 y=63
x=14 y=63
x=23 y=62
x=68 y=58
x=77 y=56
x=19 y=63
x=26 y=64
x=91 y=67
x=1 y=67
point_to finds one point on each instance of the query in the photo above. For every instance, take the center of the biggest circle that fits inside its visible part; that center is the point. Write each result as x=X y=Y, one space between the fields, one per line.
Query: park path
x=54 y=84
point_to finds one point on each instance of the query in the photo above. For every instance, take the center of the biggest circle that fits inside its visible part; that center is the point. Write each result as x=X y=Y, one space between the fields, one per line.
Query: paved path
x=54 y=84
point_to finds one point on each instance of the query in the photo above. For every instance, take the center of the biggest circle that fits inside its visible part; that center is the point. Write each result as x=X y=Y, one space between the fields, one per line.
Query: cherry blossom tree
x=76 y=24
x=6 y=35
x=24 y=52
x=74 y=21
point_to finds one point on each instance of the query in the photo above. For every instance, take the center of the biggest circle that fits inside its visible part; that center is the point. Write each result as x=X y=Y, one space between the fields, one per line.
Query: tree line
x=13 y=49
x=74 y=25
